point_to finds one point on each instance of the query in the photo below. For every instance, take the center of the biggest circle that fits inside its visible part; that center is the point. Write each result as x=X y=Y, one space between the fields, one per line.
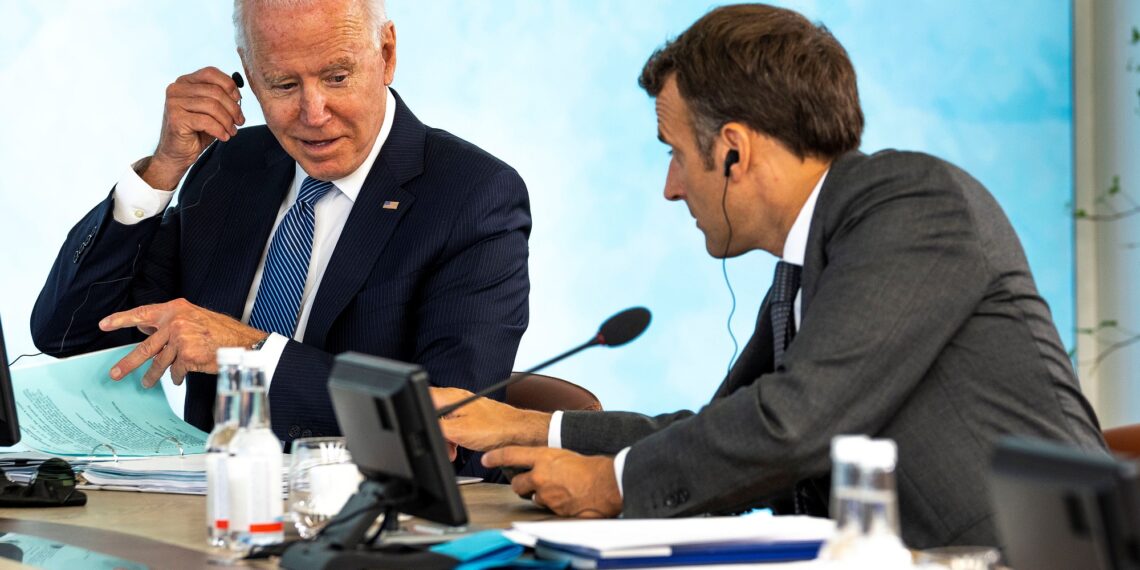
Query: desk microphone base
x=345 y=544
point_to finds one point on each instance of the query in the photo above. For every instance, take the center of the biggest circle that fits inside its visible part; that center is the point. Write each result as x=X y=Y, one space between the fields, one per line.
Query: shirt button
x=139 y=214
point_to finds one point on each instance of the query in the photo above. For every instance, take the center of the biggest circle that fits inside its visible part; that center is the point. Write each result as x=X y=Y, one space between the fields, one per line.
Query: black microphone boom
x=616 y=331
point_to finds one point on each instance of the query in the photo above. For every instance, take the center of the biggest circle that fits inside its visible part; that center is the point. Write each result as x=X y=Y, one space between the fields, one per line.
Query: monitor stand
x=344 y=542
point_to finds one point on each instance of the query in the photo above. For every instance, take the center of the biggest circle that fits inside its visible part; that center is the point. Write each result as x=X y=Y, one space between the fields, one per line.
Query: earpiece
x=730 y=159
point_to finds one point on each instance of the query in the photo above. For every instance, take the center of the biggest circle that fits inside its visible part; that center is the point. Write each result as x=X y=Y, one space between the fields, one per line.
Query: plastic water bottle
x=881 y=543
x=846 y=502
x=254 y=466
x=226 y=412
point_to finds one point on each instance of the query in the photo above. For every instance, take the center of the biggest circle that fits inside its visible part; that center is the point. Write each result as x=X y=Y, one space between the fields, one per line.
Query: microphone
x=616 y=331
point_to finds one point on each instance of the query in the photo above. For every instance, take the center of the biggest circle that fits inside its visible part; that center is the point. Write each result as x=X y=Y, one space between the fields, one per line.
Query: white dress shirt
x=135 y=201
x=795 y=247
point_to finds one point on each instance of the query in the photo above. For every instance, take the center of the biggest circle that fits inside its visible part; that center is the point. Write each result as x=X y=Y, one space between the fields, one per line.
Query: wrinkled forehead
x=275 y=27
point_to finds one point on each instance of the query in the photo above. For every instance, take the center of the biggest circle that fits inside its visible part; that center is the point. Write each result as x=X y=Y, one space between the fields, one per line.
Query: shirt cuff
x=619 y=468
x=136 y=201
x=554 y=433
x=273 y=348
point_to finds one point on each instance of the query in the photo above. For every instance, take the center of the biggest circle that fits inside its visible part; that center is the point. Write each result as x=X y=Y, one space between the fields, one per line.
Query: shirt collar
x=350 y=185
x=795 y=245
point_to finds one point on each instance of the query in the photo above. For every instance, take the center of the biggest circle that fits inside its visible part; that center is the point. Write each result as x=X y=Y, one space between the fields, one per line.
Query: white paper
x=615 y=535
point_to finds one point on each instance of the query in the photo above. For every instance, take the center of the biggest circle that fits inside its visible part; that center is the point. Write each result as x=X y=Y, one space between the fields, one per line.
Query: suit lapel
x=369 y=225
x=254 y=198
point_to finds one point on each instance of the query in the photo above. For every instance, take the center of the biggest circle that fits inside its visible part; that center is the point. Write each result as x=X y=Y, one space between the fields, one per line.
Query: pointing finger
x=512 y=456
x=145 y=350
x=145 y=315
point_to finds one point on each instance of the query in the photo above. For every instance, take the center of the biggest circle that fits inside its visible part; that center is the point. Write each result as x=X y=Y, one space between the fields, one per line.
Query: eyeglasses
x=53 y=485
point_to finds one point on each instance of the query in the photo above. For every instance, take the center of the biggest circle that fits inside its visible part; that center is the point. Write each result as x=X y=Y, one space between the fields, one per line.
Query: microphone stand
x=598 y=339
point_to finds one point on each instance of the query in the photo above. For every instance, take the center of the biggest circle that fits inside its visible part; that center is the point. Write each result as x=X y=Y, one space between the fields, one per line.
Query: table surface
x=169 y=531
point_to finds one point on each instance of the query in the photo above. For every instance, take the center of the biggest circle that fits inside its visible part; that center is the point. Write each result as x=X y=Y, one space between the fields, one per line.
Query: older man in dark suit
x=902 y=307
x=344 y=224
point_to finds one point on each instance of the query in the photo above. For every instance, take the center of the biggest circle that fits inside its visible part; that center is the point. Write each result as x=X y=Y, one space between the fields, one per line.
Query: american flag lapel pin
x=391 y=205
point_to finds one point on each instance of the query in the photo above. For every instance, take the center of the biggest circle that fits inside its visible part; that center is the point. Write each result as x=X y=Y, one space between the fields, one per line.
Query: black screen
x=388 y=420
x=1062 y=508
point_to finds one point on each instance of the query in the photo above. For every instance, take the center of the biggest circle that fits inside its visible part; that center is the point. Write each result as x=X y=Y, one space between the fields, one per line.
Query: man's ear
x=734 y=139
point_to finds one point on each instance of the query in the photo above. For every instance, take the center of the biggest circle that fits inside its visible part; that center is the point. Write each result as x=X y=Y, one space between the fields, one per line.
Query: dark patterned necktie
x=782 y=302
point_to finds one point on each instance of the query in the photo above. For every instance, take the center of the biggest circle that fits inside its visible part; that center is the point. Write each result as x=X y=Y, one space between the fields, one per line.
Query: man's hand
x=183 y=337
x=565 y=482
x=200 y=108
x=486 y=424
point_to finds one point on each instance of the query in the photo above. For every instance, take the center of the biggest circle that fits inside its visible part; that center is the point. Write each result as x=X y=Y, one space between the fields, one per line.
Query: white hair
x=373 y=10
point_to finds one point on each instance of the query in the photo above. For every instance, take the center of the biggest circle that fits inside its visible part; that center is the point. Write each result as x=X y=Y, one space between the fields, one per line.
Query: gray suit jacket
x=920 y=323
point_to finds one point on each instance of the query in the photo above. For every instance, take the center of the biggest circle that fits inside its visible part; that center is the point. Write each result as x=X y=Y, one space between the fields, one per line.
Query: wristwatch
x=257 y=345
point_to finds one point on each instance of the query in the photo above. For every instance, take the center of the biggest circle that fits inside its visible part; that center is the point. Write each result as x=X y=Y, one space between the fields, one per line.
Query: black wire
x=23 y=355
x=724 y=270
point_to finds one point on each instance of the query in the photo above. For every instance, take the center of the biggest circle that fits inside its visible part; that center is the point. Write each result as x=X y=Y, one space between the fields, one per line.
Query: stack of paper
x=71 y=407
x=183 y=475
x=633 y=543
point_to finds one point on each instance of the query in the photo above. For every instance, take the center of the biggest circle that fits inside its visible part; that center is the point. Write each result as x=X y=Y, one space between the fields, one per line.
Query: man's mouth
x=318 y=144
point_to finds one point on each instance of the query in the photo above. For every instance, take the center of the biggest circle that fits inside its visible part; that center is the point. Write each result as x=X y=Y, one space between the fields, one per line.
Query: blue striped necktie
x=287 y=264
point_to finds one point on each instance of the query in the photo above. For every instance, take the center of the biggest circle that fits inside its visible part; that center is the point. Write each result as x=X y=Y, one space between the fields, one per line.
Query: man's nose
x=674 y=190
x=314 y=107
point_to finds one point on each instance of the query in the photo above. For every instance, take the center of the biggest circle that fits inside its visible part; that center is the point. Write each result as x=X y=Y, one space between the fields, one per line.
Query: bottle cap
x=879 y=454
x=847 y=448
x=230 y=356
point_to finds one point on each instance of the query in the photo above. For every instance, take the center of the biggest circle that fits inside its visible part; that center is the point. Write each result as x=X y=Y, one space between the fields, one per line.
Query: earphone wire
x=724 y=270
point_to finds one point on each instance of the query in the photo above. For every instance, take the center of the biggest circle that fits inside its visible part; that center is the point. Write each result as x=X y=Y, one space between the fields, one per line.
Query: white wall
x=1107 y=125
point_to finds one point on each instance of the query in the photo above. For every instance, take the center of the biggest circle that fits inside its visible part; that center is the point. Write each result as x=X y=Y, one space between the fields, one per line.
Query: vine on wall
x=1112 y=205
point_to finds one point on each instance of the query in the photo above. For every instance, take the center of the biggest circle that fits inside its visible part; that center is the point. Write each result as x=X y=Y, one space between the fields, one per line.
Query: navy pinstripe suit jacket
x=440 y=281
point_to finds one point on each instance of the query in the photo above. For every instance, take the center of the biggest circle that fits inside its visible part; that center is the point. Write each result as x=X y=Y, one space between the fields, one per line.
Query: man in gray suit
x=903 y=308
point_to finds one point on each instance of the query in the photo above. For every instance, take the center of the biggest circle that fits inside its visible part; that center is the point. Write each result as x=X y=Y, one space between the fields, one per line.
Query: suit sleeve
x=471 y=314
x=904 y=271
x=606 y=433
x=104 y=267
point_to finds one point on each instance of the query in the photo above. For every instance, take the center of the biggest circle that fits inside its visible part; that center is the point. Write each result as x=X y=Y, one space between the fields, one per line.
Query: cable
x=23 y=355
x=724 y=270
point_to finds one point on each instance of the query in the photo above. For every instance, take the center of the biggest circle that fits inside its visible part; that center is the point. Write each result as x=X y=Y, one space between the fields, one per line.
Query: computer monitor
x=1061 y=508
x=9 y=421
x=389 y=423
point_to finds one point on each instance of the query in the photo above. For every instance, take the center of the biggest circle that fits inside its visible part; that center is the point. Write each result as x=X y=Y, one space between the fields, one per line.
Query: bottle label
x=256 y=505
x=217 y=496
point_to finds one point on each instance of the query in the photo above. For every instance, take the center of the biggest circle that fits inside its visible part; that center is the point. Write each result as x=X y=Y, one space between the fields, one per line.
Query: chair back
x=1124 y=440
x=549 y=394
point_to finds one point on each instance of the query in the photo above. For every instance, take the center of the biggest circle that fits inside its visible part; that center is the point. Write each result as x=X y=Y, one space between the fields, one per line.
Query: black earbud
x=730 y=159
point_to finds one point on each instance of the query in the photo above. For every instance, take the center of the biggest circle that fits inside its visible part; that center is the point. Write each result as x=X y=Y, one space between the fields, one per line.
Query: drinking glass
x=322 y=477
x=959 y=558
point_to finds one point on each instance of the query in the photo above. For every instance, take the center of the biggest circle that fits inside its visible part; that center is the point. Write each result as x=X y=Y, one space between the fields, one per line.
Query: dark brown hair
x=768 y=68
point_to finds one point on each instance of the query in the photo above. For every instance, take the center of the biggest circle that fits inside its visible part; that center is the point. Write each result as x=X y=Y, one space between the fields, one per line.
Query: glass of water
x=322 y=477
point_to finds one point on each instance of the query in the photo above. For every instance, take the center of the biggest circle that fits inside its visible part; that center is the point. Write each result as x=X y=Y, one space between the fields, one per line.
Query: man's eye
x=339 y=78
x=284 y=86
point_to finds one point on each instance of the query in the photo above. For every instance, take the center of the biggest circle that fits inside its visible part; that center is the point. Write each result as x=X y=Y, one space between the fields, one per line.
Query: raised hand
x=200 y=108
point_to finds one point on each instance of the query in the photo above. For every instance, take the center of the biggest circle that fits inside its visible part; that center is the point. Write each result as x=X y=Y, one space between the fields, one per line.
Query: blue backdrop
x=550 y=87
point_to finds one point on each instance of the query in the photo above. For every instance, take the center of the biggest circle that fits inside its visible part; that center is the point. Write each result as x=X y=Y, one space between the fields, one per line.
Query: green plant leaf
x=1135 y=35
x=1080 y=213
x=1108 y=323
x=1115 y=188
